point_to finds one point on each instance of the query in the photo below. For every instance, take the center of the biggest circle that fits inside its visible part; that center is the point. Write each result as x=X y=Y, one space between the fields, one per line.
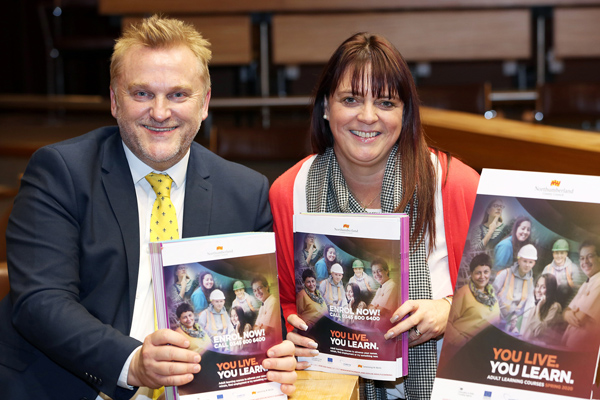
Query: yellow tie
x=163 y=225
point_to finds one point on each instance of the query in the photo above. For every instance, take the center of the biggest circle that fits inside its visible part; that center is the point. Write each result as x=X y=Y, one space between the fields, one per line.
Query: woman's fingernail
x=304 y=327
x=314 y=353
x=394 y=319
x=388 y=335
x=313 y=344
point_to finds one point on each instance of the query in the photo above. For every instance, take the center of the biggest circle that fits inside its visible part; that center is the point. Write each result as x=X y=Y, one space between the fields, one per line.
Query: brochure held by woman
x=222 y=292
x=351 y=275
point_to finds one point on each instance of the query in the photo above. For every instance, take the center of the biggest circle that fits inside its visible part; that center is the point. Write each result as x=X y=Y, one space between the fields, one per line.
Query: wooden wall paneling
x=230 y=36
x=420 y=36
x=117 y=7
x=577 y=32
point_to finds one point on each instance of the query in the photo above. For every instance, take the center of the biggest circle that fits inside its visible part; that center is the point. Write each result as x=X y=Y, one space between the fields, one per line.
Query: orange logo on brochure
x=359 y=366
x=219 y=247
x=555 y=183
x=346 y=226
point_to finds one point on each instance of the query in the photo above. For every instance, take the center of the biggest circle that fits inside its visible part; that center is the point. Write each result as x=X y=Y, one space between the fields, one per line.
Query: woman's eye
x=349 y=100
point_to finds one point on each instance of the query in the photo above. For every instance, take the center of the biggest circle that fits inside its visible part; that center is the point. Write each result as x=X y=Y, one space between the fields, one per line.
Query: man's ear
x=113 y=102
x=205 y=105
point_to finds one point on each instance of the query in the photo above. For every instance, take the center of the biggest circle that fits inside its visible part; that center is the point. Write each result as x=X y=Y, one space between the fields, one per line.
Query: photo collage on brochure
x=346 y=290
x=230 y=310
x=527 y=264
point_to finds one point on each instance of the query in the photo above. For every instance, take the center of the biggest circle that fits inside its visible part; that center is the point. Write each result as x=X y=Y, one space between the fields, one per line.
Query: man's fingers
x=288 y=389
x=168 y=336
x=287 y=377
x=285 y=348
x=305 y=347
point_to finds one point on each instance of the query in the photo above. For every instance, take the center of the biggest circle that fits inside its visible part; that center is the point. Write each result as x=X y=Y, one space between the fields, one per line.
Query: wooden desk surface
x=313 y=385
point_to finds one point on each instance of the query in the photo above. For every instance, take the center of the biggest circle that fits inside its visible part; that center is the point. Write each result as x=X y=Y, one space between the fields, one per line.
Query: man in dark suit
x=78 y=322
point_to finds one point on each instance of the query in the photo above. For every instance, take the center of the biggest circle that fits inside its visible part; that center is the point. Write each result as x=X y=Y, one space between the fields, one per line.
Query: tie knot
x=161 y=184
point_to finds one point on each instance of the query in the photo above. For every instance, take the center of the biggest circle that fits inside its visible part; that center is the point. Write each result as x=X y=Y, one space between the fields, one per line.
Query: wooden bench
x=420 y=36
x=506 y=144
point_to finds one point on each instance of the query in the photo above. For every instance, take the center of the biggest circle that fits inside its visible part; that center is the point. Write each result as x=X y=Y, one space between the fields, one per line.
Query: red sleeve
x=281 y=197
x=459 y=188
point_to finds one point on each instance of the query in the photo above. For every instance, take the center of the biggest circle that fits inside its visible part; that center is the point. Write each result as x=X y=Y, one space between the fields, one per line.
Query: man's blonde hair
x=159 y=32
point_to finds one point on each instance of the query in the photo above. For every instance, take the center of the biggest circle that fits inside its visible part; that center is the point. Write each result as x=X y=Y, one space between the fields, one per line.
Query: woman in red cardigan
x=371 y=156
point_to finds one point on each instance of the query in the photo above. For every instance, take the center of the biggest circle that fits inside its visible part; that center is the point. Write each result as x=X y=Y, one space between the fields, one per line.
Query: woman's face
x=187 y=319
x=523 y=231
x=496 y=208
x=331 y=254
x=234 y=317
x=349 y=293
x=311 y=284
x=181 y=271
x=358 y=272
x=481 y=276
x=364 y=128
x=208 y=281
x=540 y=288
x=310 y=240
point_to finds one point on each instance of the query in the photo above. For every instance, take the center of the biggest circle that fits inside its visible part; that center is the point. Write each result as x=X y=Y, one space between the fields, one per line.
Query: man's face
x=218 y=304
x=260 y=291
x=380 y=275
x=336 y=277
x=159 y=103
x=525 y=265
x=588 y=260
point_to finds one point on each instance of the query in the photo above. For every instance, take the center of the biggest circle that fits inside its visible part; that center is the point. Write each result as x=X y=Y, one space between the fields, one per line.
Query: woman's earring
x=325 y=116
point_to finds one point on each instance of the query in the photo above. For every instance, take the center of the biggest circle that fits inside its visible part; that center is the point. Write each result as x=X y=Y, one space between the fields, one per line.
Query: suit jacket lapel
x=120 y=191
x=198 y=197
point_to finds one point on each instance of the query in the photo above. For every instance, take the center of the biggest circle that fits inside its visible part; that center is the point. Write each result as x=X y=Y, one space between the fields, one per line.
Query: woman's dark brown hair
x=389 y=77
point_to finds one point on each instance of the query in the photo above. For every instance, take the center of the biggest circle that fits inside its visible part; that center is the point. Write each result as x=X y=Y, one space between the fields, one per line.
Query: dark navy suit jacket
x=73 y=258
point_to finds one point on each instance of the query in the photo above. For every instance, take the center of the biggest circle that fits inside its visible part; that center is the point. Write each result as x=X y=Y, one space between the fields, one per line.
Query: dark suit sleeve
x=264 y=219
x=55 y=300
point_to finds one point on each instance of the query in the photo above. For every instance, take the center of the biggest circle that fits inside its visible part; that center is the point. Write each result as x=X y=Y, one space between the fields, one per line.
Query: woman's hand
x=305 y=347
x=429 y=317
x=494 y=224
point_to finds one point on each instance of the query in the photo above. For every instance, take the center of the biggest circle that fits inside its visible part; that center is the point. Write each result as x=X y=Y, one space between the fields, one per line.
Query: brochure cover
x=525 y=320
x=222 y=292
x=351 y=275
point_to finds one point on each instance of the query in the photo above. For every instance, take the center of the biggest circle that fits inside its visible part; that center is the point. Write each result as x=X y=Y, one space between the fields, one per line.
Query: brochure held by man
x=222 y=293
x=351 y=275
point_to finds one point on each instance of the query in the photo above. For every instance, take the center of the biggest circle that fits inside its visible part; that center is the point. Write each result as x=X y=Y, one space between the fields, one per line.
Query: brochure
x=525 y=320
x=222 y=292
x=351 y=275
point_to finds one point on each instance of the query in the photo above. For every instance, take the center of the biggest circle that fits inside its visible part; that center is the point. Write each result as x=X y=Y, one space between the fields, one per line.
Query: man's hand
x=281 y=365
x=157 y=364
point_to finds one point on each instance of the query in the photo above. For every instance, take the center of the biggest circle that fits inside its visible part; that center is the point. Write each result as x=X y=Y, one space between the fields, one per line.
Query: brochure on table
x=521 y=342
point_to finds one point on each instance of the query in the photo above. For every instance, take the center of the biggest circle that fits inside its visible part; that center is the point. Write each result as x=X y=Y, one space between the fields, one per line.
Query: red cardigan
x=458 y=197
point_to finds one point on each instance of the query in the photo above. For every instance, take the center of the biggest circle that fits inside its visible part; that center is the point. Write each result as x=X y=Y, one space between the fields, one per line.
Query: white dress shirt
x=143 y=310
